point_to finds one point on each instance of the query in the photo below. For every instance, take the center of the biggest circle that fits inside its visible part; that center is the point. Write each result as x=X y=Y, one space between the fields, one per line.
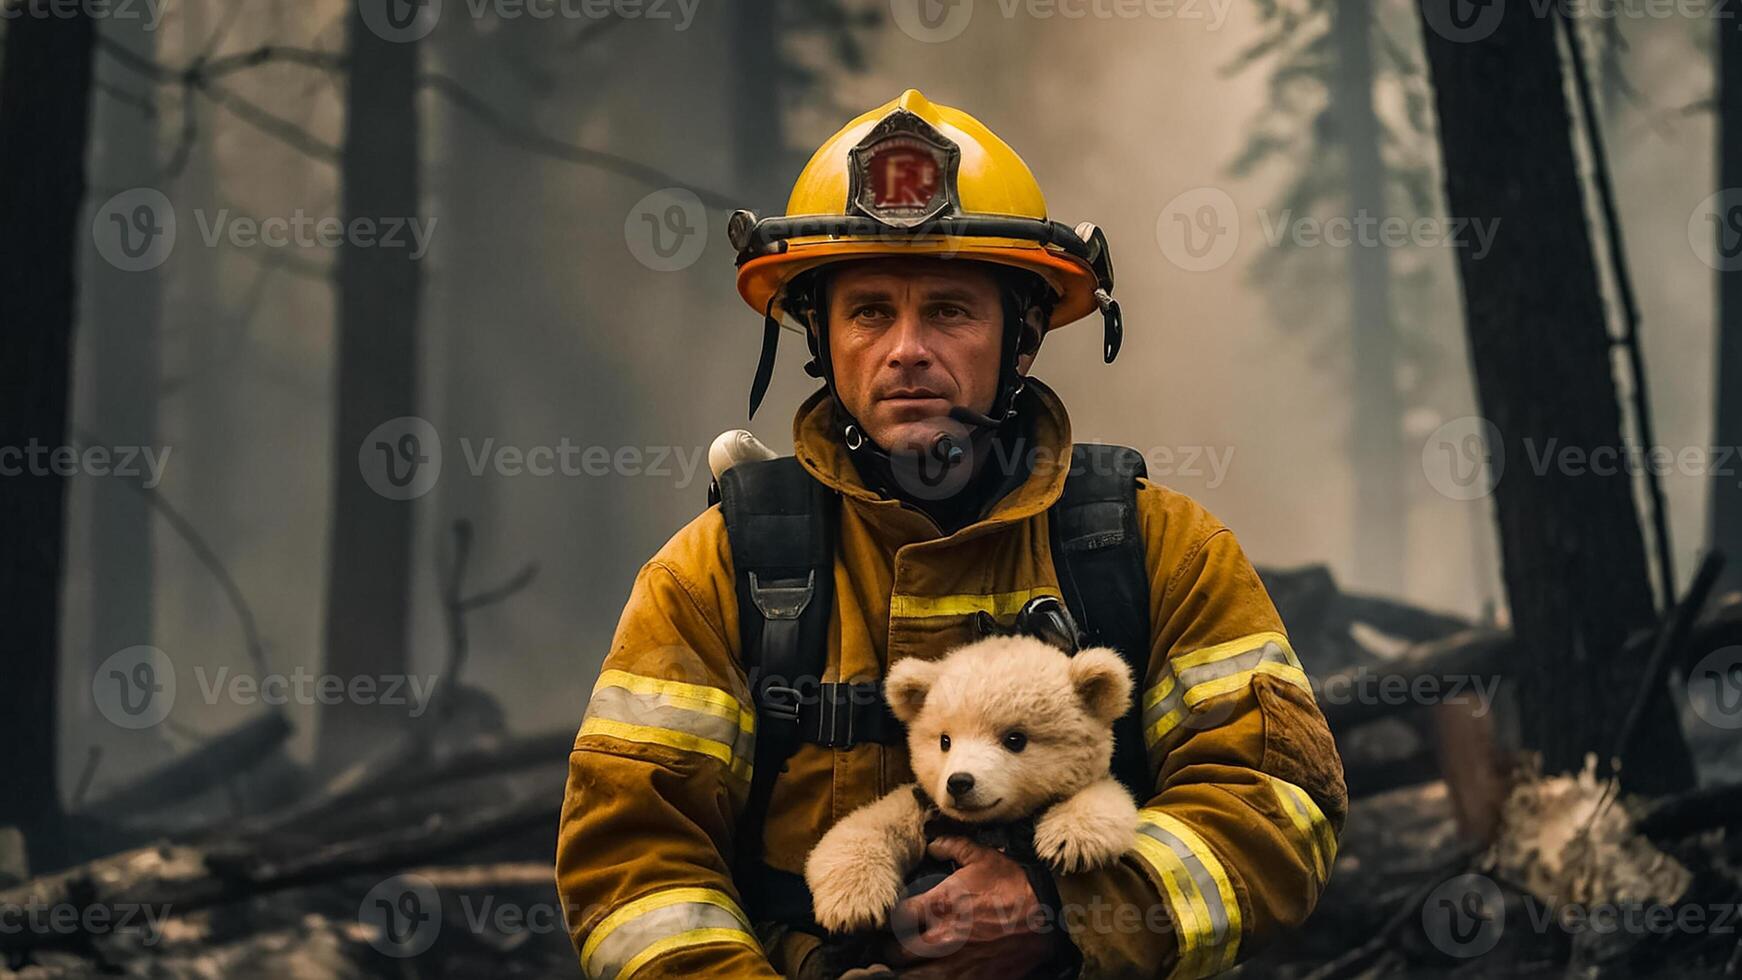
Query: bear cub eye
x=944 y=741
x=1015 y=741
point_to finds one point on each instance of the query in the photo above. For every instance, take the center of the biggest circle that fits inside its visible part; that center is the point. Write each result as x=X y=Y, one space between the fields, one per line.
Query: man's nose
x=910 y=342
x=960 y=783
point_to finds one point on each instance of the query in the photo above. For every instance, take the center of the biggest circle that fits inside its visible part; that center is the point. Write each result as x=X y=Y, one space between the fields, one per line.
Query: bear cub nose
x=960 y=783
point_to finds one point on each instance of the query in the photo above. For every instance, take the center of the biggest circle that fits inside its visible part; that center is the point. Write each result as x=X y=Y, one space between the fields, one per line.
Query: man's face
x=909 y=339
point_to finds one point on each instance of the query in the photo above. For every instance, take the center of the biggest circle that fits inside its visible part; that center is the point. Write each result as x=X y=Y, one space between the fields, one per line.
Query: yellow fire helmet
x=913 y=178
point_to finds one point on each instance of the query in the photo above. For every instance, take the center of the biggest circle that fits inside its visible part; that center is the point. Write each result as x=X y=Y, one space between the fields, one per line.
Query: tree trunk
x=45 y=88
x=1726 y=501
x=758 y=138
x=122 y=319
x=1381 y=514
x=1571 y=548
x=369 y=552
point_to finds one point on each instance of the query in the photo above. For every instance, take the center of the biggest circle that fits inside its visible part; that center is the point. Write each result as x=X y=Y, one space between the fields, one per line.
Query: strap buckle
x=780 y=703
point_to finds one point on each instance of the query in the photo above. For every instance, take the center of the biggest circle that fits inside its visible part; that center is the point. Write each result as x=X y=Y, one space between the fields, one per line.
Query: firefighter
x=934 y=489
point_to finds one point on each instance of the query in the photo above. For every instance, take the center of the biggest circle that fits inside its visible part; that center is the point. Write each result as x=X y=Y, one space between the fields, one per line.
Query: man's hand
x=982 y=921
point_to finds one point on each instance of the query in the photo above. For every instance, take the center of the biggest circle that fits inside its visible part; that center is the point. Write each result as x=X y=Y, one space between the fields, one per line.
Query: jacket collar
x=820 y=452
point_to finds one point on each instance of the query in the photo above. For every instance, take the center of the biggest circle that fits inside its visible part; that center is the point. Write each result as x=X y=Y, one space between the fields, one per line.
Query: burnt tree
x=1571 y=547
x=369 y=550
x=45 y=87
x=1726 y=500
x=1376 y=436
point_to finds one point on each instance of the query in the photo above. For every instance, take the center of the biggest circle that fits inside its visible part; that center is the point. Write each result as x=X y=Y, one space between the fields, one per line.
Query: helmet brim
x=762 y=279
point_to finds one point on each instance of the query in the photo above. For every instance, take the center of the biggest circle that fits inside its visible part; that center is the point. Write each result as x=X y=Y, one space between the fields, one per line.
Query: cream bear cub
x=1003 y=729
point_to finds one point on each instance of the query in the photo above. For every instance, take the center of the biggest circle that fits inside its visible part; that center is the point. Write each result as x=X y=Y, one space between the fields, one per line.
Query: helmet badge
x=903 y=172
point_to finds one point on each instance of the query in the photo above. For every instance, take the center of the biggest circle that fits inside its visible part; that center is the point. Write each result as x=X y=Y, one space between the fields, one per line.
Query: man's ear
x=1102 y=681
x=906 y=686
x=1033 y=332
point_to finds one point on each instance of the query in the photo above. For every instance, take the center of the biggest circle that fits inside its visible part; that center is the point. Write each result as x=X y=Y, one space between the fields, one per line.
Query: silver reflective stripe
x=678 y=918
x=1201 y=877
x=656 y=710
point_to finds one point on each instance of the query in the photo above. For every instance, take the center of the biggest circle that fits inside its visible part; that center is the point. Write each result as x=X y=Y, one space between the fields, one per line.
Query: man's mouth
x=912 y=395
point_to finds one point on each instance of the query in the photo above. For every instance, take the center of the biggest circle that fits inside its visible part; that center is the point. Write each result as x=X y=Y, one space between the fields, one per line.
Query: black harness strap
x=1098 y=554
x=781 y=526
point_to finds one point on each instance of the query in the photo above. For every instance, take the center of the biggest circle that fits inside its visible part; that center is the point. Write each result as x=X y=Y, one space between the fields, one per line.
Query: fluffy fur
x=1030 y=734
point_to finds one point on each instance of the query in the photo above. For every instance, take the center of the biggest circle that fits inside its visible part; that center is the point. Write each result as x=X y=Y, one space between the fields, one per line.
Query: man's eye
x=1015 y=741
x=948 y=312
x=944 y=742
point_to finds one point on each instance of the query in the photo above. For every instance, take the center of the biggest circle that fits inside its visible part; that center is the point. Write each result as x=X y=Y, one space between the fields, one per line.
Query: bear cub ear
x=906 y=686
x=1103 y=682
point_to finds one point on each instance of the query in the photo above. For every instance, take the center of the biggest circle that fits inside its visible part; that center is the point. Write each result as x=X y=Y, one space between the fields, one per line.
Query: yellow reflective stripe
x=692 y=696
x=1232 y=648
x=966 y=604
x=1184 y=902
x=1204 y=904
x=1189 y=679
x=675 y=714
x=682 y=741
x=637 y=932
x=695 y=937
x=1316 y=834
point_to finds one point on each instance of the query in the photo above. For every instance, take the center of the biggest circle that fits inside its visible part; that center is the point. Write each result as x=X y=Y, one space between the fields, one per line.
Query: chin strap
x=765 y=366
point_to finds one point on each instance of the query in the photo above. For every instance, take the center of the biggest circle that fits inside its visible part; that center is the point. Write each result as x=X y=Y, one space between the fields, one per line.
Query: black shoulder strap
x=1097 y=552
x=780 y=523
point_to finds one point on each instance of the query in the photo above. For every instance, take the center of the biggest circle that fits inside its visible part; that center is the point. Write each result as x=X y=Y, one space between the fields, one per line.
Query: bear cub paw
x=1091 y=829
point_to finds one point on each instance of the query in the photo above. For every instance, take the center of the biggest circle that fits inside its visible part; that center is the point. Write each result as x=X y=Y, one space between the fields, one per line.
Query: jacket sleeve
x=1241 y=833
x=657 y=776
